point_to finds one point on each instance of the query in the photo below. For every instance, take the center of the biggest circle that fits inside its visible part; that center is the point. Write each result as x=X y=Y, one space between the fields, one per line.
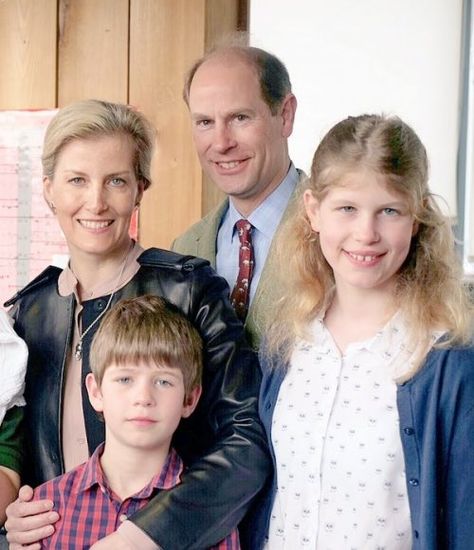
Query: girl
x=368 y=389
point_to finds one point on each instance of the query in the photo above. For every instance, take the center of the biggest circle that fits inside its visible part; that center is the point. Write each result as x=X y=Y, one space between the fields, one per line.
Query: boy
x=146 y=362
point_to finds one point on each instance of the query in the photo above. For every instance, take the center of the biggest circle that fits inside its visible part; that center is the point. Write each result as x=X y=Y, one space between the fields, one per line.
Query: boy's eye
x=347 y=209
x=124 y=379
x=163 y=383
x=117 y=182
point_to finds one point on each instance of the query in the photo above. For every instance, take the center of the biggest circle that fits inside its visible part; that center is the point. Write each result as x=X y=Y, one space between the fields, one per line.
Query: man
x=242 y=113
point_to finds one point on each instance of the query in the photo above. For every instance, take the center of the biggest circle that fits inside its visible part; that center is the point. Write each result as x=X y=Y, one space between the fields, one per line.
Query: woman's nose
x=96 y=199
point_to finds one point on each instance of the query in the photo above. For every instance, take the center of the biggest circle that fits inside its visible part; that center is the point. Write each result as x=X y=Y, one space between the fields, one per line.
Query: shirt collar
x=93 y=475
x=266 y=217
x=68 y=283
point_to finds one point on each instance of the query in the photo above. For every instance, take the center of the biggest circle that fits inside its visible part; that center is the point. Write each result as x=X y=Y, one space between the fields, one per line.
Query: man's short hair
x=147 y=329
x=272 y=74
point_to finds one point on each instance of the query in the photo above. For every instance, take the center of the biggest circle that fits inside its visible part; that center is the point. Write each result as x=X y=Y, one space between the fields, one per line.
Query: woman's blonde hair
x=93 y=118
x=429 y=288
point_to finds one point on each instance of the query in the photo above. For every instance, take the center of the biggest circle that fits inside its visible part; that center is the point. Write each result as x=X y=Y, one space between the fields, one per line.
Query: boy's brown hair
x=148 y=328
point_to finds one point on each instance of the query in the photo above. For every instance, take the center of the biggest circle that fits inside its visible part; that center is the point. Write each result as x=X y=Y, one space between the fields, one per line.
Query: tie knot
x=244 y=228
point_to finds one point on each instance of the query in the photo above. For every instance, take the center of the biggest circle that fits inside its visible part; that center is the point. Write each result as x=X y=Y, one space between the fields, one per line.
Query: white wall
x=348 y=57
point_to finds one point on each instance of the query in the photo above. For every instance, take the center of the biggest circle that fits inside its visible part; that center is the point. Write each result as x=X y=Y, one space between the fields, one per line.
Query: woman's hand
x=111 y=542
x=29 y=521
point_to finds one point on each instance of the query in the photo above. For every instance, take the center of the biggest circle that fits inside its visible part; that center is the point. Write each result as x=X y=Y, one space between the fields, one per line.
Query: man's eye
x=204 y=123
x=241 y=117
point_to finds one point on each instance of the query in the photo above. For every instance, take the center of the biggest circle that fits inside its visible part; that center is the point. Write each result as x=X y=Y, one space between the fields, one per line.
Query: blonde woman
x=96 y=165
x=368 y=389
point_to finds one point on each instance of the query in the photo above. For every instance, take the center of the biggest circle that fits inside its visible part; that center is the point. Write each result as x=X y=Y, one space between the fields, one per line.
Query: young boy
x=146 y=362
x=13 y=358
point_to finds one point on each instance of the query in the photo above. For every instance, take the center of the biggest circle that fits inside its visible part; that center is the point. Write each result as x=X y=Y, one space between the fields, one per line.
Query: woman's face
x=93 y=193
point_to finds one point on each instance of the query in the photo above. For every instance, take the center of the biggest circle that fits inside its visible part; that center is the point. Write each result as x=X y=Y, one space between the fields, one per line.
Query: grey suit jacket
x=200 y=240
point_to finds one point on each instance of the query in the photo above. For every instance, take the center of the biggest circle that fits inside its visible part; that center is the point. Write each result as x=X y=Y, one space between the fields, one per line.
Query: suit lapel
x=206 y=240
x=265 y=293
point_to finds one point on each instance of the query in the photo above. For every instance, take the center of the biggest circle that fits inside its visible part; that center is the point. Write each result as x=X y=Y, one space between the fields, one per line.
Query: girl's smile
x=365 y=230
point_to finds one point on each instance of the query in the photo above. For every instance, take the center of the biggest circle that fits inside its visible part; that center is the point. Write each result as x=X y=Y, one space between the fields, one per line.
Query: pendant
x=78 y=351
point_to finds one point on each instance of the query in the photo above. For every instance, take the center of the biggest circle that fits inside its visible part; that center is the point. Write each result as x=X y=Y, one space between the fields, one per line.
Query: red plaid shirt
x=89 y=510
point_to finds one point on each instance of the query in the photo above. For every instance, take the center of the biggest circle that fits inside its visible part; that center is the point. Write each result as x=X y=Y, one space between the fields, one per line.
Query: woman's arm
x=221 y=482
x=9 y=485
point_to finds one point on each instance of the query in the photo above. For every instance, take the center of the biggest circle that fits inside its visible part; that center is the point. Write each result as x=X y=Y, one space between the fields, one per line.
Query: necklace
x=78 y=348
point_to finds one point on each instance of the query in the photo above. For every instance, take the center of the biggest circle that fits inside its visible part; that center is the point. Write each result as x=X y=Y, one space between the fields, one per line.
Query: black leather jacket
x=223 y=441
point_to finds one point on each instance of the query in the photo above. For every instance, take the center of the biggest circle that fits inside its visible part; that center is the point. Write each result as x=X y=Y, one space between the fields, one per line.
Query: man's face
x=242 y=146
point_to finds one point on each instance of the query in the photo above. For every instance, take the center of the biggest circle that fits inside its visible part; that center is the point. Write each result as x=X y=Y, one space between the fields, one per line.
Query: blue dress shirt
x=265 y=219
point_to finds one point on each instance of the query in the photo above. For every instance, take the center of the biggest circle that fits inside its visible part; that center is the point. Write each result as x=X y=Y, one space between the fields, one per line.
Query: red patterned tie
x=240 y=294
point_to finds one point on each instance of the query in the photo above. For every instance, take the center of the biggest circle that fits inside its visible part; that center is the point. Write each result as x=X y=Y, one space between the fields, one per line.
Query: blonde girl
x=368 y=388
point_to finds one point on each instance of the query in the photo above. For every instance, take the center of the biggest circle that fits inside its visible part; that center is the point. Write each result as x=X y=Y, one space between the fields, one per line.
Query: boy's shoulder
x=59 y=489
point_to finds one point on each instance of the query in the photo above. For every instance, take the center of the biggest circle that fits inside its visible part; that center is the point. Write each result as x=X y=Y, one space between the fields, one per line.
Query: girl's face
x=93 y=193
x=365 y=231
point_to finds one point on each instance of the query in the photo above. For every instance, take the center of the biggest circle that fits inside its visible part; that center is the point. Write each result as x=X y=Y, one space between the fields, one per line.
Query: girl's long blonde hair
x=429 y=288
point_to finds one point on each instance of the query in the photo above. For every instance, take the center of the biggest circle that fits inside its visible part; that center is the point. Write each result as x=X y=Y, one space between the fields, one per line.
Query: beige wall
x=53 y=52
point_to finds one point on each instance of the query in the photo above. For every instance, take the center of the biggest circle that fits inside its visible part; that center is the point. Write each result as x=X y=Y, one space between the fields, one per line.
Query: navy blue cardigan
x=436 y=410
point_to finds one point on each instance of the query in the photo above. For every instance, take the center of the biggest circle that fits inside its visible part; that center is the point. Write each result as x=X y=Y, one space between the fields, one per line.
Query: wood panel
x=28 y=54
x=166 y=36
x=93 y=50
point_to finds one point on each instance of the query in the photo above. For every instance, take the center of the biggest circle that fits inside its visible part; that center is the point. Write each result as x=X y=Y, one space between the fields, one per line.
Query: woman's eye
x=76 y=180
x=390 y=211
x=347 y=209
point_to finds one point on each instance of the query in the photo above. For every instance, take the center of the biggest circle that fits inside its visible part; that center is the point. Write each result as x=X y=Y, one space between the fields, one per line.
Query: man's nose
x=223 y=138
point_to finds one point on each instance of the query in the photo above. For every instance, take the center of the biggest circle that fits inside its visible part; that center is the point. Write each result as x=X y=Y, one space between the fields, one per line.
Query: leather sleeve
x=233 y=463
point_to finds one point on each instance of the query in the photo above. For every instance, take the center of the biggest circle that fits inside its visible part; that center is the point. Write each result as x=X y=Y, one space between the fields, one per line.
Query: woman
x=96 y=164
x=368 y=387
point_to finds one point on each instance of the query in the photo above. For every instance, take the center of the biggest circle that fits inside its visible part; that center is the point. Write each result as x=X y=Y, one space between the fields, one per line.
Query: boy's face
x=142 y=404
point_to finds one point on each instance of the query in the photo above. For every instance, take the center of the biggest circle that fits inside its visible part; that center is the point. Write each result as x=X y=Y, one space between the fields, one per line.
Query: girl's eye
x=124 y=380
x=390 y=211
x=347 y=209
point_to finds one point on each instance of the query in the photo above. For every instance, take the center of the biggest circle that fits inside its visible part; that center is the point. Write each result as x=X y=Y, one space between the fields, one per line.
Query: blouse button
x=408 y=431
x=413 y=482
x=122 y=517
x=268 y=405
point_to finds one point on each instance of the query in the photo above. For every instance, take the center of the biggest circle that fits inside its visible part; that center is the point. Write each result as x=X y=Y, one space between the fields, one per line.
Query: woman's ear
x=191 y=401
x=311 y=205
x=94 y=393
x=48 y=193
